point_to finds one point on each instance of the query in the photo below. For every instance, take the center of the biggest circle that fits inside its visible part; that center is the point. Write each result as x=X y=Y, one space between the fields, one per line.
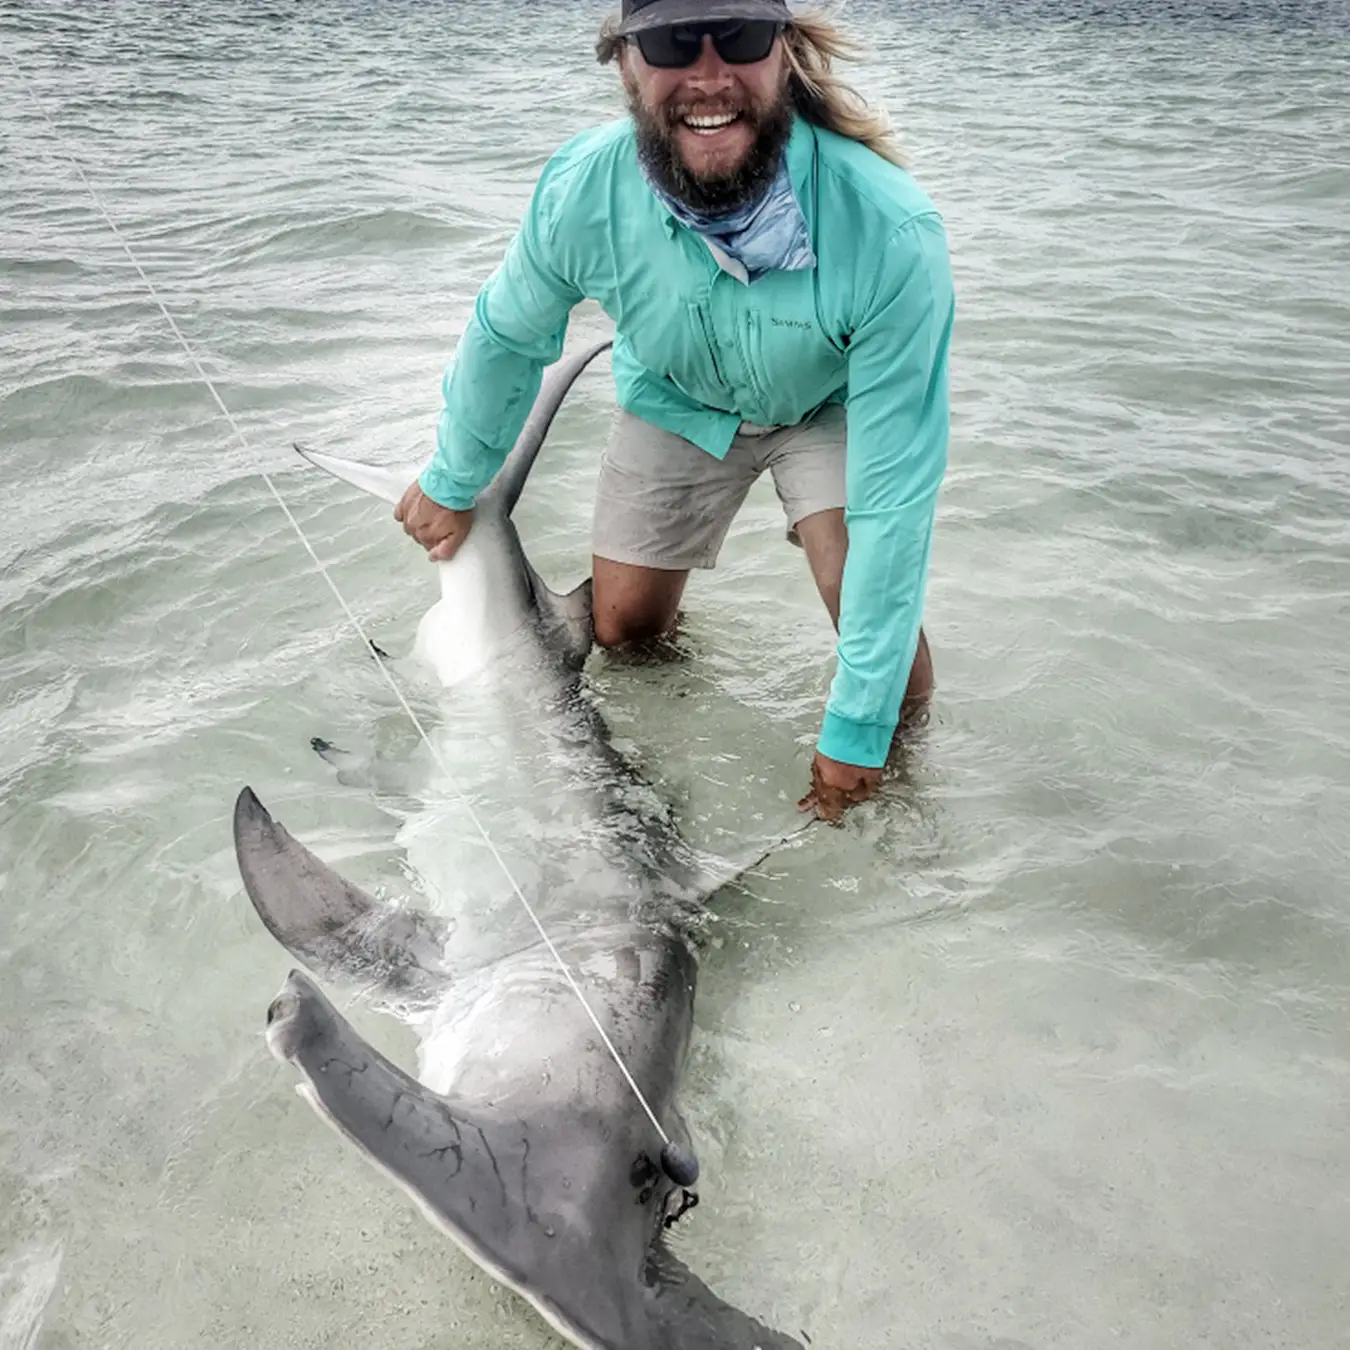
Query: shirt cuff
x=442 y=488
x=865 y=744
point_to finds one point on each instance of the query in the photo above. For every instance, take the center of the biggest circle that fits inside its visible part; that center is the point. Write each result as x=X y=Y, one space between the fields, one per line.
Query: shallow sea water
x=1048 y=1046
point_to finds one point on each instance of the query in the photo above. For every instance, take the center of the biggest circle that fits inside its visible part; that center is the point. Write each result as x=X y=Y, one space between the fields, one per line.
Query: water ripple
x=1082 y=963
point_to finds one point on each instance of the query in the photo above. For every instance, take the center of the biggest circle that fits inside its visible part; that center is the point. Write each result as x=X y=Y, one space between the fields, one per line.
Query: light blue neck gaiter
x=767 y=235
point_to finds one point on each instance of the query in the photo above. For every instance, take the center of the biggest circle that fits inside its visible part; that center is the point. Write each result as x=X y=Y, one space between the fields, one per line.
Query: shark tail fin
x=504 y=491
x=330 y=925
x=388 y=484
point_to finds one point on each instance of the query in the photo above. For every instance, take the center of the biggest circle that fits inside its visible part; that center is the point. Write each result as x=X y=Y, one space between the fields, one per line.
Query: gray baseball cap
x=640 y=14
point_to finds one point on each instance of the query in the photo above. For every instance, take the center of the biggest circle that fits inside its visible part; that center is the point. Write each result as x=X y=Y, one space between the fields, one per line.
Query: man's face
x=711 y=134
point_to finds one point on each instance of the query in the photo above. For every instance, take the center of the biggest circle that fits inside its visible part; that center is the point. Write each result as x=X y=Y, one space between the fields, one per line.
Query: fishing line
x=678 y=1162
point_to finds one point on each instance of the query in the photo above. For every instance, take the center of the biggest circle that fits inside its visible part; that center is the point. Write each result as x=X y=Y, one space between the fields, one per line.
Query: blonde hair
x=811 y=43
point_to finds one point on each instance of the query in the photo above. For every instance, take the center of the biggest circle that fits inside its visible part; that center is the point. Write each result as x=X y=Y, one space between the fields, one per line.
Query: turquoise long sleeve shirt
x=696 y=352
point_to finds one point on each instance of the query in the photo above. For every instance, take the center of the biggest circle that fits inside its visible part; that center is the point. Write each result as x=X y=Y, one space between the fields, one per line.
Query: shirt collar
x=801 y=160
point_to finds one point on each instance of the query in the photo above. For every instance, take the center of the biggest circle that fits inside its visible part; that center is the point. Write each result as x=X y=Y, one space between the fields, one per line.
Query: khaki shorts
x=664 y=503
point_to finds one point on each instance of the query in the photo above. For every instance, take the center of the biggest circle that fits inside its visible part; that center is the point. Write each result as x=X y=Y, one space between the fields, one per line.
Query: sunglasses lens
x=737 y=43
x=670 y=48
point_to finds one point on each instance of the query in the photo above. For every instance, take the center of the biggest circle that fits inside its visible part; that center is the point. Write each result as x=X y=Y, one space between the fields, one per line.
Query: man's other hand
x=836 y=786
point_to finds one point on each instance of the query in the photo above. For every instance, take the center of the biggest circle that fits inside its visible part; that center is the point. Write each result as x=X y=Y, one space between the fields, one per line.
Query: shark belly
x=522 y=1011
x=468 y=626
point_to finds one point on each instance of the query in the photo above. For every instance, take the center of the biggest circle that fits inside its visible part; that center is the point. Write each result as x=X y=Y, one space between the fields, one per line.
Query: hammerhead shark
x=520 y=1137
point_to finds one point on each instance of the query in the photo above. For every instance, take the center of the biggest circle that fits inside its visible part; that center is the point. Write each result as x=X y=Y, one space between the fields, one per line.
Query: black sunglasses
x=738 y=42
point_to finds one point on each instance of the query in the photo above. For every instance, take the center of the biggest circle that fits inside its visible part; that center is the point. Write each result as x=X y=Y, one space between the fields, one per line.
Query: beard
x=720 y=194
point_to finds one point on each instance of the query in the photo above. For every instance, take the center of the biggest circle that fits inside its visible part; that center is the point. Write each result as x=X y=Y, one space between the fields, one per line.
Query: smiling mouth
x=710 y=124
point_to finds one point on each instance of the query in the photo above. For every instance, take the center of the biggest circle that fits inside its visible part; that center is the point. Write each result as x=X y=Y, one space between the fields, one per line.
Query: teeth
x=710 y=123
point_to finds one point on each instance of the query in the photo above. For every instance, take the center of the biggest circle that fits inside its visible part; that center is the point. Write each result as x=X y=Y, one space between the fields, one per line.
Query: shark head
x=556 y=1196
x=490 y=595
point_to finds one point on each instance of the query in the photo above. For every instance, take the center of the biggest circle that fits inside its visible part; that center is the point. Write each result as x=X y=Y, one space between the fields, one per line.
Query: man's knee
x=614 y=629
x=633 y=604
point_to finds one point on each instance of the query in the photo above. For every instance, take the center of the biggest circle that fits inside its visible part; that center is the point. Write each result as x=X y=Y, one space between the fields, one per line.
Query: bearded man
x=782 y=300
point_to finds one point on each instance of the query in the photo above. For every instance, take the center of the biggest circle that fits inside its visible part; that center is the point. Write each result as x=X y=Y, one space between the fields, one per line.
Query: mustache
x=708 y=107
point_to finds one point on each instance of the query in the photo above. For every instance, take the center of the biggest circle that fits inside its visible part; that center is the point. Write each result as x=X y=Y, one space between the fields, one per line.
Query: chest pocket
x=793 y=364
x=669 y=337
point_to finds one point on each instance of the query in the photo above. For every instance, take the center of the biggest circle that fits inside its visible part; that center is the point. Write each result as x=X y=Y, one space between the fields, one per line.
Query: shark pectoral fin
x=567 y=619
x=387 y=483
x=683 y=1311
x=325 y=921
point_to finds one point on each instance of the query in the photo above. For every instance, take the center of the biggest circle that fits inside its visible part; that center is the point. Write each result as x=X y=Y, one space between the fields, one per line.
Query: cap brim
x=664 y=13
